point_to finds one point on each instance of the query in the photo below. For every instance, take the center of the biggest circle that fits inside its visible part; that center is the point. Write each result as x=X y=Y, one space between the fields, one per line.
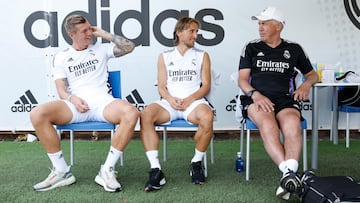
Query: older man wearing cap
x=266 y=72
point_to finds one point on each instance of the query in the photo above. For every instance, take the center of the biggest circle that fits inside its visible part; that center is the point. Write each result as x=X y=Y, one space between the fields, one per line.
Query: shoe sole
x=64 y=182
x=101 y=182
x=196 y=182
x=282 y=194
x=150 y=187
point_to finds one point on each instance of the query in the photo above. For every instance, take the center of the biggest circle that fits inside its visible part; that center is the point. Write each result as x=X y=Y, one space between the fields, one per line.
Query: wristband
x=69 y=97
x=251 y=92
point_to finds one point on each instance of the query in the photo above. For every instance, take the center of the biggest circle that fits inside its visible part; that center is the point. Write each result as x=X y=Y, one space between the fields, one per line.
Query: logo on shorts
x=353 y=11
x=25 y=103
x=135 y=99
x=296 y=106
x=305 y=106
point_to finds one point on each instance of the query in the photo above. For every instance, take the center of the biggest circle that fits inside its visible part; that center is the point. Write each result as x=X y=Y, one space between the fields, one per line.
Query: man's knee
x=36 y=115
x=133 y=114
x=206 y=122
x=146 y=116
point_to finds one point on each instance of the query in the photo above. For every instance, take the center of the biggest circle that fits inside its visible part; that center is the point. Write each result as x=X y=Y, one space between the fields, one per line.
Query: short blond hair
x=73 y=20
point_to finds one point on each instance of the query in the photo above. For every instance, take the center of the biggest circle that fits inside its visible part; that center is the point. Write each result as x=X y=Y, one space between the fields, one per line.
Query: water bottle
x=239 y=163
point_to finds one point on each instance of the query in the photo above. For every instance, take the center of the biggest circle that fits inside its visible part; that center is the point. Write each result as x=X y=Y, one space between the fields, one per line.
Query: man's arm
x=260 y=101
x=302 y=92
x=162 y=81
x=122 y=45
x=243 y=80
x=61 y=87
x=205 y=80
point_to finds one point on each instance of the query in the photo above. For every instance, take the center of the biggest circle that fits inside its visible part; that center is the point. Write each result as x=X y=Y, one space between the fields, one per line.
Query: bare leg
x=43 y=118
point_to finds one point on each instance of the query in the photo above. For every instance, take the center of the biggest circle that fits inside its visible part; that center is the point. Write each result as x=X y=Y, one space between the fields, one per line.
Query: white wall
x=322 y=27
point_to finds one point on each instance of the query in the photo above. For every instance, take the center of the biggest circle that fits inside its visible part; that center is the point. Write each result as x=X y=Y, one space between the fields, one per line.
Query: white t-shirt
x=86 y=71
x=183 y=72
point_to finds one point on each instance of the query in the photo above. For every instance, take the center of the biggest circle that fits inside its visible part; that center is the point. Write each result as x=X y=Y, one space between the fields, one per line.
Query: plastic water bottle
x=239 y=163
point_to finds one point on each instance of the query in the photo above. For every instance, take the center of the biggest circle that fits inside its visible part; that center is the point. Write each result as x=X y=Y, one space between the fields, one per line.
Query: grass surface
x=24 y=164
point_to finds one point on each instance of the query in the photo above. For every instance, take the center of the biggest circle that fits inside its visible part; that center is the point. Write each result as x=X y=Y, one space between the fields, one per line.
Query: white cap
x=270 y=13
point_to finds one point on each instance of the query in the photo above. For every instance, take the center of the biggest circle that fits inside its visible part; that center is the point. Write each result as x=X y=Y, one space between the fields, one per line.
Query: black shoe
x=291 y=182
x=197 y=173
x=306 y=175
x=156 y=180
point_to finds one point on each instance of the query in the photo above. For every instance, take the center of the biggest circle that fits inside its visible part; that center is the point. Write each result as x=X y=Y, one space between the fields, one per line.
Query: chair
x=348 y=109
x=115 y=83
x=251 y=126
x=181 y=123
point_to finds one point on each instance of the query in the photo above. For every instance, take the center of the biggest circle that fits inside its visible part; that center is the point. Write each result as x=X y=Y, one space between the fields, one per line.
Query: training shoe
x=107 y=179
x=55 y=179
x=197 y=173
x=156 y=180
x=291 y=182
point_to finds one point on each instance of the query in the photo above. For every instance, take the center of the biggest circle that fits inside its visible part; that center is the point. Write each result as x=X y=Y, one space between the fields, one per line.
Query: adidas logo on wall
x=232 y=104
x=25 y=103
x=135 y=99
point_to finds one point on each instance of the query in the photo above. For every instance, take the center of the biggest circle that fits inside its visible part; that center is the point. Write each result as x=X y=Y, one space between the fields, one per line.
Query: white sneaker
x=55 y=179
x=282 y=193
x=349 y=76
x=107 y=179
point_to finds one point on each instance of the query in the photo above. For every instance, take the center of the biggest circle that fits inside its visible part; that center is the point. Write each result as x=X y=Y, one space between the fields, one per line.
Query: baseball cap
x=270 y=13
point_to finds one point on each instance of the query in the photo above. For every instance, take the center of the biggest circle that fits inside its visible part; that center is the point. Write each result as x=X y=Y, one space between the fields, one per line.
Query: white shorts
x=95 y=113
x=176 y=114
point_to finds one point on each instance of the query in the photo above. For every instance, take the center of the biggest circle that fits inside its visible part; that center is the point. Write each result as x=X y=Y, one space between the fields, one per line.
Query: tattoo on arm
x=122 y=45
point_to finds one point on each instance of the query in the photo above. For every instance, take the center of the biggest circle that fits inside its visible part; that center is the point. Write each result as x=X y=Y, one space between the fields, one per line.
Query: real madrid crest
x=287 y=54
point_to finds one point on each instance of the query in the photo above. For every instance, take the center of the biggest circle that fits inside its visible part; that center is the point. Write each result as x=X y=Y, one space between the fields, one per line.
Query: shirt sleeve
x=109 y=47
x=245 y=58
x=58 y=70
x=303 y=63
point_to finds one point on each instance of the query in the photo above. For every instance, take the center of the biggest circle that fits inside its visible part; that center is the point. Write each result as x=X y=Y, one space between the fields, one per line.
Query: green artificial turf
x=23 y=164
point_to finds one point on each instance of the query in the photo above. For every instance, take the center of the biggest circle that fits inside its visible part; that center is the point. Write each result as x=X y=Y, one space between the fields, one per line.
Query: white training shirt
x=86 y=71
x=183 y=72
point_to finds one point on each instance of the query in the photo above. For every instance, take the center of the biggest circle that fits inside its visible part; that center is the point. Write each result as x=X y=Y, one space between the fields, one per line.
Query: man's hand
x=80 y=104
x=180 y=104
x=302 y=93
x=98 y=32
x=262 y=102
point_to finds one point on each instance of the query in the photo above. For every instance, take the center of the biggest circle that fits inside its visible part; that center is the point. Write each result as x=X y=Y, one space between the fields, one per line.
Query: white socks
x=58 y=161
x=153 y=158
x=290 y=164
x=112 y=158
x=282 y=166
x=198 y=156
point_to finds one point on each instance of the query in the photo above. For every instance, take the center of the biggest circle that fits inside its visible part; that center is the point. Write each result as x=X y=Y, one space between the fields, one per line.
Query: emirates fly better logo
x=353 y=11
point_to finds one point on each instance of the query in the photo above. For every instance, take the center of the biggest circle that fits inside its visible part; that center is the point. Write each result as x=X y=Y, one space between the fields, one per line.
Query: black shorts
x=281 y=102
